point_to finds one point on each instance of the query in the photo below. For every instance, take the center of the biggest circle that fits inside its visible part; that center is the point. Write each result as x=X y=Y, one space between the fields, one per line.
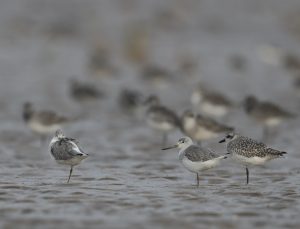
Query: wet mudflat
x=128 y=182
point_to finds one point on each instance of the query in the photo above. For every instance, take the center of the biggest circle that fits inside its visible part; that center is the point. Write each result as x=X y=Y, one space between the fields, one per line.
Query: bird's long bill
x=222 y=141
x=170 y=147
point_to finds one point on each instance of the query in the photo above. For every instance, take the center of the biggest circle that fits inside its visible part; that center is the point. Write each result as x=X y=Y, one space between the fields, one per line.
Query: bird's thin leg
x=165 y=139
x=197 y=175
x=247 y=173
x=71 y=170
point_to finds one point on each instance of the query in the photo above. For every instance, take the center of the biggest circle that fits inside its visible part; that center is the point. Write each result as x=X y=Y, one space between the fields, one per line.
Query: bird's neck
x=27 y=114
x=182 y=151
x=55 y=139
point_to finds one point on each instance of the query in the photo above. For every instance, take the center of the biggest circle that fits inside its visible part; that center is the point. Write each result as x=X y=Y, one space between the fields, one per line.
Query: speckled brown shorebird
x=160 y=117
x=266 y=113
x=248 y=152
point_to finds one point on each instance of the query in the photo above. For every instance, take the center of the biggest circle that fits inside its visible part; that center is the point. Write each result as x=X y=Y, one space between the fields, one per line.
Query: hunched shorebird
x=100 y=63
x=130 y=100
x=66 y=151
x=210 y=102
x=194 y=157
x=84 y=92
x=201 y=128
x=160 y=117
x=266 y=113
x=42 y=122
x=248 y=152
x=157 y=76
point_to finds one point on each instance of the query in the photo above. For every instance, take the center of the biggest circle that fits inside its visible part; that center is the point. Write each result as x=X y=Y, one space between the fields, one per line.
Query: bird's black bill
x=222 y=141
x=170 y=147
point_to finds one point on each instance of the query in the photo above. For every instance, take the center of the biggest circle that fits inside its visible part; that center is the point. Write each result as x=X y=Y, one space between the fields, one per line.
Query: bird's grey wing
x=212 y=125
x=271 y=109
x=63 y=150
x=218 y=99
x=49 y=117
x=197 y=153
x=163 y=114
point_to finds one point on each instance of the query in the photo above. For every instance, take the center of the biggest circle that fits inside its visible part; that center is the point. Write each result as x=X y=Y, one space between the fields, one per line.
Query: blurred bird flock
x=125 y=79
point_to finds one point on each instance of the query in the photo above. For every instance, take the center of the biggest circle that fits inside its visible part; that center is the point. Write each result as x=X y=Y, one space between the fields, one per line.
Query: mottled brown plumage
x=212 y=125
x=264 y=111
x=248 y=152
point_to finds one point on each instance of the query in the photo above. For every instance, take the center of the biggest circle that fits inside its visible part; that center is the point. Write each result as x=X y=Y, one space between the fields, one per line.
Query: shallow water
x=128 y=182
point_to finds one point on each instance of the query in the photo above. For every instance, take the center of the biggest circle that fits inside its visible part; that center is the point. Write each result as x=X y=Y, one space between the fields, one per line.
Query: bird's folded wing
x=196 y=153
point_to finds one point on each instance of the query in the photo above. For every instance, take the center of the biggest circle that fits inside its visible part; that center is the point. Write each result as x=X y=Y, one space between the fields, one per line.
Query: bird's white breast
x=163 y=126
x=250 y=160
x=73 y=161
x=196 y=98
x=204 y=134
x=195 y=166
x=43 y=129
x=213 y=109
x=273 y=121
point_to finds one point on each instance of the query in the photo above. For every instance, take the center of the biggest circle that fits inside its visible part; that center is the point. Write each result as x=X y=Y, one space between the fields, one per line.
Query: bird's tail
x=276 y=153
x=281 y=154
x=223 y=157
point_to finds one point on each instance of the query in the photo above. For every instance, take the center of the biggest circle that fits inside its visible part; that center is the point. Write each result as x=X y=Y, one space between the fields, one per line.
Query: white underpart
x=204 y=134
x=213 y=109
x=270 y=54
x=189 y=123
x=43 y=129
x=196 y=98
x=163 y=126
x=189 y=126
x=273 y=121
x=73 y=161
x=197 y=166
x=250 y=160
x=53 y=140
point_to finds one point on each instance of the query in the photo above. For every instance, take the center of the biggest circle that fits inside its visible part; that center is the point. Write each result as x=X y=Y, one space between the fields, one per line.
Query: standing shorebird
x=210 y=103
x=84 y=92
x=100 y=64
x=66 y=151
x=195 y=158
x=201 y=128
x=160 y=117
x=266 y=113
x=130 y=100
x=247 y=151
x=157 y=76
x=42 y=122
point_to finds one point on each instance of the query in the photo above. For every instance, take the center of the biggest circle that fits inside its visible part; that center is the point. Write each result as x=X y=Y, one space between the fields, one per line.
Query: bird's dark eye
x=229 y=136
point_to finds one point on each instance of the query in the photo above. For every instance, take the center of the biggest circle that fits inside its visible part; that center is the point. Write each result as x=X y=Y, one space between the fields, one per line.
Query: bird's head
x=27 y=110
x=182 y=143
x=59 y=134
x=249 y=103
x=229 y=137
x=152 y=100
